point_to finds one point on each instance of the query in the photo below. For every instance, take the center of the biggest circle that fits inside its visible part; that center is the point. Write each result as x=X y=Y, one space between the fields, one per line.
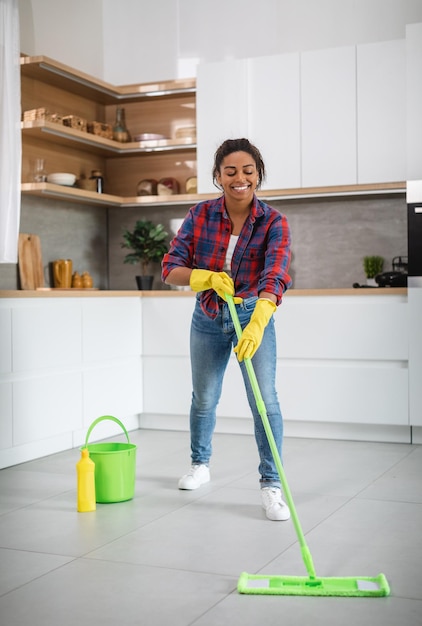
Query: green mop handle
x=306 y=555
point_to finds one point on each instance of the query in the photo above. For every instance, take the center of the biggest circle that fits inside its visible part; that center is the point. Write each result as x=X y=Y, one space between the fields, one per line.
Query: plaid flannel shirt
x=260 y=260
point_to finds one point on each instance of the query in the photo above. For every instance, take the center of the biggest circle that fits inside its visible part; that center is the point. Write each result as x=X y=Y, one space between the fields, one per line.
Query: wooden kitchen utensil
x=31 y=270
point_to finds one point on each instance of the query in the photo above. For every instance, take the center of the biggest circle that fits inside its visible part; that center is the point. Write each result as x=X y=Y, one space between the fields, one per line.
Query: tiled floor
x=170 y=557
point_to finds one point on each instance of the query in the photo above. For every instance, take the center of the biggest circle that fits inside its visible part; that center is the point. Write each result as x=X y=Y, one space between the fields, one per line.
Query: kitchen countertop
x=175 y=293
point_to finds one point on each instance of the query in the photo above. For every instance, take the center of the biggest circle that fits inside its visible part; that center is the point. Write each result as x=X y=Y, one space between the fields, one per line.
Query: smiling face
x=238 y=176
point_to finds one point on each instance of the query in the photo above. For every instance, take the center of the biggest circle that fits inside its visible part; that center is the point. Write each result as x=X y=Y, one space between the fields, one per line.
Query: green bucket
x=115 y=466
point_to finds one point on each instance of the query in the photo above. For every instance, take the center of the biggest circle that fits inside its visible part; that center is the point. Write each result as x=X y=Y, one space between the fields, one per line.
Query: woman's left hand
x=251 y=337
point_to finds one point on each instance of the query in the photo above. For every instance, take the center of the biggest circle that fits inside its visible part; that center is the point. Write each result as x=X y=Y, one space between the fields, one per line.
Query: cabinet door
x=413 y=97
x=274 y=122
x=415 y=350
x=222 y=112
x=381 y=112
x=328 y=86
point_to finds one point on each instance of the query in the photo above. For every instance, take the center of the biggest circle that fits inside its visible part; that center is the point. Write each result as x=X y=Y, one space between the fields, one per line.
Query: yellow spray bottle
x=85 y=469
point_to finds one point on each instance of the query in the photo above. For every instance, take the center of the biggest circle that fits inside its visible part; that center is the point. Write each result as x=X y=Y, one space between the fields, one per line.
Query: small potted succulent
x=148 y=244
x=372 y=266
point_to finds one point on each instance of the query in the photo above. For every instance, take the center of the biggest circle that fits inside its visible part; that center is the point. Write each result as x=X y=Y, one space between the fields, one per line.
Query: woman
x=234 y=244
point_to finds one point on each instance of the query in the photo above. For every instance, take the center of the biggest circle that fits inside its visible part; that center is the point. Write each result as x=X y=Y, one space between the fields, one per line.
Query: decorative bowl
x=62 y=178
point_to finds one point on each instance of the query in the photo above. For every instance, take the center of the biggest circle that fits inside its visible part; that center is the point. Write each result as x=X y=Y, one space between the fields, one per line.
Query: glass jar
x=120 y=131
x=40 y=173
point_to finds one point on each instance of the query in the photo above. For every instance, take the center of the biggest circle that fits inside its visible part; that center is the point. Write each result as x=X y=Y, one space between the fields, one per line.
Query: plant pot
x=144 y=282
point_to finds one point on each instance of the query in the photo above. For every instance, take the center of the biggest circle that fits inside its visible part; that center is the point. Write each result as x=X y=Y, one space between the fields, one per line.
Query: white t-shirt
x=229 y=254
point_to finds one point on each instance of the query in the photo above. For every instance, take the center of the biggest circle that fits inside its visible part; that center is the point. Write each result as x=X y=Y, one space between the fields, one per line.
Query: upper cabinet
x=323 y=119
x=328 y=104
x=381 y=111
x=52 y=91
x=222 y=112
x=274 y=118
x=413 y=101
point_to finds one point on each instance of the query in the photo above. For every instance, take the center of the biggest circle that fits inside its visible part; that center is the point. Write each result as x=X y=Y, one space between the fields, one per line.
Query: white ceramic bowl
x=62 y=178
x=148 y=137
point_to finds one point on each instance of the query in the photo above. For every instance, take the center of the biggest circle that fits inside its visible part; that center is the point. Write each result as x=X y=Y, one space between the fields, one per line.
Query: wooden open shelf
x=73 y=194
x=166 y=108
x=51 y=72
x=65 y=136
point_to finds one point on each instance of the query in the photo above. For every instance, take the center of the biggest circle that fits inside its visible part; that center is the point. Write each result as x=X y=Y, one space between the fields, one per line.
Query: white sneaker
x=275 y=509
x=198 y=475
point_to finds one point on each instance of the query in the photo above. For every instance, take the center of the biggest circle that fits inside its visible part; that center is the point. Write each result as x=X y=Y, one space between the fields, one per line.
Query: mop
x=311 y=585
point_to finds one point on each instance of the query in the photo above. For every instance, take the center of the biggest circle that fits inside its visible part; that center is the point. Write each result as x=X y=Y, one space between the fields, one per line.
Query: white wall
x=69 y=32
x=141 y=41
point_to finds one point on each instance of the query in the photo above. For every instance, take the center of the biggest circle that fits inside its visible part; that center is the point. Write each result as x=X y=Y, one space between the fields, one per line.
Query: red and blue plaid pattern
x=260 y=260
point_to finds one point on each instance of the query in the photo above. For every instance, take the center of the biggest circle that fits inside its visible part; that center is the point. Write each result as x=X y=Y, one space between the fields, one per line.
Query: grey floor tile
x=107 y=594
x=18 y=567
x=402 y=483
x=341 y=467
x=275 y=610
x=174 y=557
x=224 y=532
x=22 y=487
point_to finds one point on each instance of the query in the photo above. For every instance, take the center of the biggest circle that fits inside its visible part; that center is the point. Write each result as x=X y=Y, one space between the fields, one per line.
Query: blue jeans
x=211 y=344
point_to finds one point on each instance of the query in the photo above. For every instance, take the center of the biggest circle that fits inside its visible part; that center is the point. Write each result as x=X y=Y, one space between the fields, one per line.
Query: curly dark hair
x=238 y=145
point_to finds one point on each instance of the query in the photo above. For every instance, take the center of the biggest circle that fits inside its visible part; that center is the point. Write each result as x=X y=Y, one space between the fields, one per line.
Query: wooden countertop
x=173 y=293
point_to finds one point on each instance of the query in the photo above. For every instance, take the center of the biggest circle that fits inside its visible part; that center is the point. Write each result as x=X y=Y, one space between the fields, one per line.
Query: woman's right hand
x=200 y=280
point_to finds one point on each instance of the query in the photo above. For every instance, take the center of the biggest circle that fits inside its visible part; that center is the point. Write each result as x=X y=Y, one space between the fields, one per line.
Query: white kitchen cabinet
x=413 y=98
x=167 y=369
x=47 y=405
x=342 y=360
x=381 y=111
x=353 y=328
x=166 y=325
x=222 y=111
x=328 y=90
x=72 y=360
x=111 y=328
x=46 y=335
x=340 y=116
x=6 y=405
x=257 y=98
x=358 y=393
x=343 y=369
x=415 y=353
x=113 y=389
x=6 y=416
x=5 y=340
x=274 y=118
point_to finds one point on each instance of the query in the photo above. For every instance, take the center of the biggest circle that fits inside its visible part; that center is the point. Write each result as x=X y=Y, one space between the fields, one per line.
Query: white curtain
x=10 y=133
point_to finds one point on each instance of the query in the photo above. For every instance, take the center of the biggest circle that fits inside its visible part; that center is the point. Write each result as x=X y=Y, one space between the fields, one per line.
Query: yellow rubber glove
x=251 y=337
x=200 y=280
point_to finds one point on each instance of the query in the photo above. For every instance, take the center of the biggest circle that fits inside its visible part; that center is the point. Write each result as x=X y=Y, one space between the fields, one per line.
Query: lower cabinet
x=68 y=361
x=342 y=367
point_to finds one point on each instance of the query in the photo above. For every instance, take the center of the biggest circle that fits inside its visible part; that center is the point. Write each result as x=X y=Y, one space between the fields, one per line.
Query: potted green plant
x=372 y=265
x=148 y=244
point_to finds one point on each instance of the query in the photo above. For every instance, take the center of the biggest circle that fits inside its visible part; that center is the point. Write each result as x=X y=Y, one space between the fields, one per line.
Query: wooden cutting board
x=31 y=271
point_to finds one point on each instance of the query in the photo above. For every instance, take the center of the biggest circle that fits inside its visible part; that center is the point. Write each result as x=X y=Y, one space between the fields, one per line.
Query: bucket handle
x=100 y=419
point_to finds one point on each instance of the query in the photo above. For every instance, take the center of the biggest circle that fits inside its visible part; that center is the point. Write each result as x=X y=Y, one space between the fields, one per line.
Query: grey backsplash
x=330 y=237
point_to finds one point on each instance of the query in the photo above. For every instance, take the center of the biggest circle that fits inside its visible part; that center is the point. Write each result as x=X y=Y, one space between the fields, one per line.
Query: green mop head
x=306 y=586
